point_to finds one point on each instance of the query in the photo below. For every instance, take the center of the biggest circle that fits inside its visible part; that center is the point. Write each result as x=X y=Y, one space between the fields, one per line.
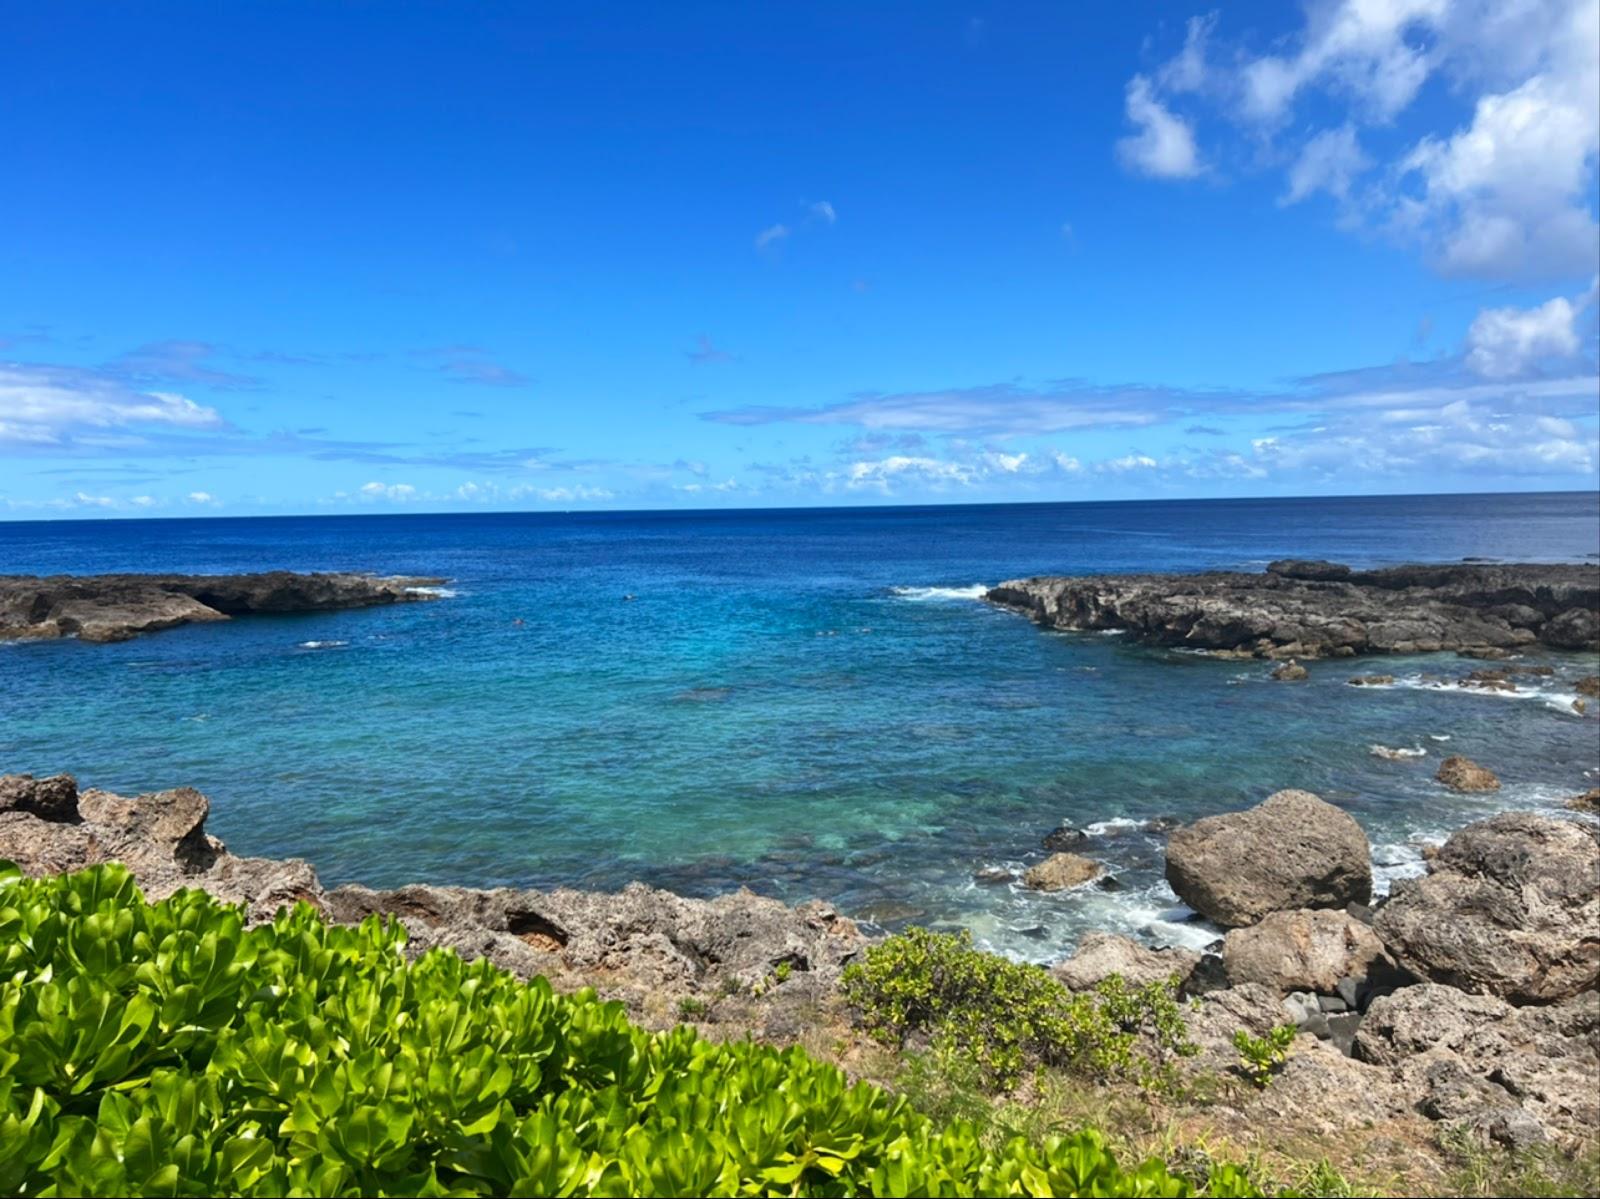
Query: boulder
x=1372 y=680
x=1291 y=851
x=1463 y=774
x=1291 y=671
x=1307 y=950
x=1511 y=908
x=54 y=798
x=1060 y=871
x=1064 y=837
x=1589 y=801
x=1588 y=685
x=1100 y=955
x=1576 y=628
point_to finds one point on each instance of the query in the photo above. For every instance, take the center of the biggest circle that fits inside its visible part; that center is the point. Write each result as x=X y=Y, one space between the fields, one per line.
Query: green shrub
x=1260 y=1057
x=164 y=1049
x=690 y=1008
x=1005 y=1016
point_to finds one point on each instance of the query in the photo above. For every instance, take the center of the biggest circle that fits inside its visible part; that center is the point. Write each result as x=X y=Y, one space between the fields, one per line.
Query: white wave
x=1384 y=751
x=440 y=592
x=1556 y=701
x=1116 y=824
x=323 y=644
x=1396 y=860
x=924 y=594
x=1438 y=736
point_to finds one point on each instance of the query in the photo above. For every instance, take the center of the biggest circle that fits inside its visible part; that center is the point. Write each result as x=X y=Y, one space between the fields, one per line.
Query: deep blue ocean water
x=811 y=703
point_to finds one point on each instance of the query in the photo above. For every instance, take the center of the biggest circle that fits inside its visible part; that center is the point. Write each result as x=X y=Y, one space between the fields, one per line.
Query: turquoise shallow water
x=808 y=703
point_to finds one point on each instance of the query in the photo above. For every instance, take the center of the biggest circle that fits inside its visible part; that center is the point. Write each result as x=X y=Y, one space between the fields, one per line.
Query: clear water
x=810 y=703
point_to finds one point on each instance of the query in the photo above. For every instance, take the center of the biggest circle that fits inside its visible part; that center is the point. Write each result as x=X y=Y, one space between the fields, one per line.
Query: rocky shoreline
x=116 y=607
x=1314 y=609
x=1469 y=998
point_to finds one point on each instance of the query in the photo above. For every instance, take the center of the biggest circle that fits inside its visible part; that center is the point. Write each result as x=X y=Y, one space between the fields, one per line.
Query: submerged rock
x=1463 y=774
x=1291 y=851
x=1060 y=871
x=1372 y=680
x=1510 y=908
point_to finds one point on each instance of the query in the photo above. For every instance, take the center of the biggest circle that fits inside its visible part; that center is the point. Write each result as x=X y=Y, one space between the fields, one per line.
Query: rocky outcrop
x=1290 y=851
x=640 y=945
x=1306 y=950
x=1290 y=672
x=1463 y=774
x=1060 y=871
x=1100 y=955
x=1589 y=801
x=1516 y=1076
x=117 y=607
x=1510 y=907
x=1321 y=609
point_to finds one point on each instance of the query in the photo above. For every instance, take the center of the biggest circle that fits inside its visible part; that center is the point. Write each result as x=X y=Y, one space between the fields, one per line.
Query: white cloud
x=1132 y=462
x=53 y=406
x=1329 y=162
x=202 y=497
x=1502 y=192
x=562 y=495
x=770 y=235
x=823 y=211
x=1367 y=49
x=1008 y=463
x=1164 y=146
x=932 y=471
x=84 y=499
x=1067 y=463
x=1505 y=342
x=393 y=492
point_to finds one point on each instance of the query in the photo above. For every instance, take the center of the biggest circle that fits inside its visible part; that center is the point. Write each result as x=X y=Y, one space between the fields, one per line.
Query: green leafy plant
x=690 y=1008
x=1260 y=1057
x=780 y=972
x=1005 y=1016
x=166 y=1049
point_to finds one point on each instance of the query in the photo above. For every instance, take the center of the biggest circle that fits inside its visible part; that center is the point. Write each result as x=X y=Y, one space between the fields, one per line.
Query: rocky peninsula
x=1314 y=609
x=117 y=607
x=1466 y=1000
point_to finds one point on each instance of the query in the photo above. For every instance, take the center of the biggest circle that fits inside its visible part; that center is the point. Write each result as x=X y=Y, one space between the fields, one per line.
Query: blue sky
x=261 y=258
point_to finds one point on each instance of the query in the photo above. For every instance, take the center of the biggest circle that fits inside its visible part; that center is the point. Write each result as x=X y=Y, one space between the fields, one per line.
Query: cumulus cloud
x=57 y=406
x=394 y=492
x=202 y=497
x=1506 y=342
x=1503 y=192
x=1164 y=145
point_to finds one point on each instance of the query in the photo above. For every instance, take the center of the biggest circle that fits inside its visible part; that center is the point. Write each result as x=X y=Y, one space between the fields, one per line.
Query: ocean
x=810 y=703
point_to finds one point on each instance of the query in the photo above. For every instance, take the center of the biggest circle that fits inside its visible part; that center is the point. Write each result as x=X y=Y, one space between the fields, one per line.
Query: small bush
x=690 y=1008
x=1260 y=1057
x=1004 y=1016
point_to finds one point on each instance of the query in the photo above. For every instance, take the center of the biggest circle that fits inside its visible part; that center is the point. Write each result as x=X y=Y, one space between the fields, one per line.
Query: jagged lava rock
x=1319 y=609
x=1293 y=850
x=1510 y=907
x=117 y=607
x=1291 y=671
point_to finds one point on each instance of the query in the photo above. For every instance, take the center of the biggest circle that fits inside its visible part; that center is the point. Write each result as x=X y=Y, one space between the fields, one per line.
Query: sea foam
x=924 y=594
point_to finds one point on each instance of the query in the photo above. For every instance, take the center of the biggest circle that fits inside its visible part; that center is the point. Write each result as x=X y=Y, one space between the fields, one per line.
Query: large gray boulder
x=1306 y=950
x=1291 y=851
x=1511 y=907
